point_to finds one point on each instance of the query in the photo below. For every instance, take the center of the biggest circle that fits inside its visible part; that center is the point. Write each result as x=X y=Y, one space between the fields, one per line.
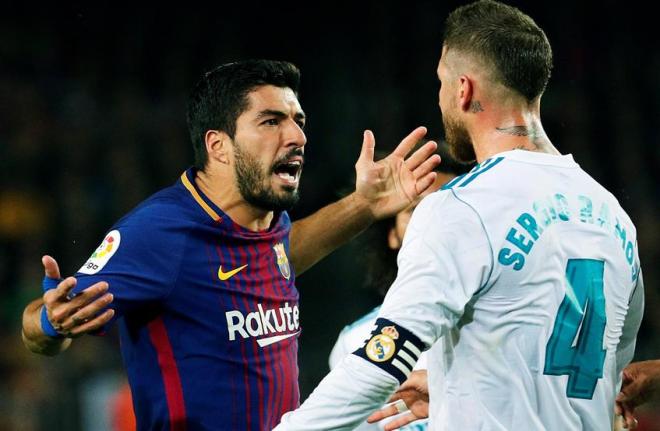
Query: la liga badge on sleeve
x=102 y=254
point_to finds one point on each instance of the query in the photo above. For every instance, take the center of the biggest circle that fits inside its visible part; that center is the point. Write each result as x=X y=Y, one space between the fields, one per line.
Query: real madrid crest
x=282 y=260
x=381 y=347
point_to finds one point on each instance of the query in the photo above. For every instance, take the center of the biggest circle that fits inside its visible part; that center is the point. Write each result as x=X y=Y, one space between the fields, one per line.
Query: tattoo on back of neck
x=518 y=131
x=536 y=137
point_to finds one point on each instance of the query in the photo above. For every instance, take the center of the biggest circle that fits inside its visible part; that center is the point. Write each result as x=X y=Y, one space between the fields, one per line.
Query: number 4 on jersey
x=575 y=347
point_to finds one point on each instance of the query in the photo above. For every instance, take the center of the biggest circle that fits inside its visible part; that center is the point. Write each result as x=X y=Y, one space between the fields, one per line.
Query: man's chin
x=283 y=200
x=288 y=198
x=288 y=191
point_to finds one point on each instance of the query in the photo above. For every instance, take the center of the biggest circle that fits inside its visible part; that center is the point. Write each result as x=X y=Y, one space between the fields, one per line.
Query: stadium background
x=92 y=121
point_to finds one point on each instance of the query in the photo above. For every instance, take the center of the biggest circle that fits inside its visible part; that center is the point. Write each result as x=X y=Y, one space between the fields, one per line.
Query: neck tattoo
x=536 y=137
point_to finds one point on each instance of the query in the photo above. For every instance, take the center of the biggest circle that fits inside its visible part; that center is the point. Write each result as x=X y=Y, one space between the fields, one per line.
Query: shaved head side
x=502 y=41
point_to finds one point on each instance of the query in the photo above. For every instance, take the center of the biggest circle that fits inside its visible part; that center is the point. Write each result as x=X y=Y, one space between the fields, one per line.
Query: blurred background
x=92 y=121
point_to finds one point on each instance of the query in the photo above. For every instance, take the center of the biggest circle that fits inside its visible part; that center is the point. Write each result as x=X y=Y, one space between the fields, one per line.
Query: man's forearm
x=316 y=236
x=33 y=336
x=344 y=398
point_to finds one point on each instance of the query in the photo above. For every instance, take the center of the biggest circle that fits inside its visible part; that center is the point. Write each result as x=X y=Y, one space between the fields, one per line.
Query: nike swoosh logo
x=229 y=274
x=263 y=342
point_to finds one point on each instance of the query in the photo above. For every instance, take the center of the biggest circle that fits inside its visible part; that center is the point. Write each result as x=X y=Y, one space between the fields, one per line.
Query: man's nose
x=294 y=134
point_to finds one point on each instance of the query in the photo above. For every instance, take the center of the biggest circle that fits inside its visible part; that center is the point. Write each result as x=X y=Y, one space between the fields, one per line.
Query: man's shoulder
x=165 y=207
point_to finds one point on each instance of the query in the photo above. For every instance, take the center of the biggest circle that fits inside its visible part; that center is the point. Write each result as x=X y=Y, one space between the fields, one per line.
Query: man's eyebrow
x=279 y=114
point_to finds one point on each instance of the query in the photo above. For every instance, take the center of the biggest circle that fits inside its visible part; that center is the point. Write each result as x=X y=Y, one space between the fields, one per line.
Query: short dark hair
x=221 y=96
x=505 y=38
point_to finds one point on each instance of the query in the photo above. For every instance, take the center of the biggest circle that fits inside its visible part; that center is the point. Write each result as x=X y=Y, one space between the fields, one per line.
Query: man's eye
x=301 y=124
x=271 y=122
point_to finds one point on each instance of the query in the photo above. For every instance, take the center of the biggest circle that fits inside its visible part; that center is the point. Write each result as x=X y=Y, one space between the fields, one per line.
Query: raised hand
x=391 y=184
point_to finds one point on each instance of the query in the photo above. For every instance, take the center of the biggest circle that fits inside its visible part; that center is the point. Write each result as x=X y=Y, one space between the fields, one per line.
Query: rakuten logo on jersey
x=273 y=322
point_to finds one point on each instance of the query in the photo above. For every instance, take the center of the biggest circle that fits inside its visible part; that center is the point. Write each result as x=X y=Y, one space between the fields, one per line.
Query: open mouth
x=289 y=171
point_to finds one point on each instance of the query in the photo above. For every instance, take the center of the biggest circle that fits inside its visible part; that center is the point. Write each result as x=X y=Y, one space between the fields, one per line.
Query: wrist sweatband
x=49 y=283
x=46 y=326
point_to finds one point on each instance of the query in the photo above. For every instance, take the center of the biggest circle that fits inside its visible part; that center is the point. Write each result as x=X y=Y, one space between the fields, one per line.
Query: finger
x=59 y=295
x=93 y=325
x=412 y=395
x=51 y=268
x=409 y=142
x=64 y=288
x=403 y=420
x=88 y=295
x=421 y=155
x=368 y=148
x=627 y=414
x=630 y=392
x=618 y=409
x=626 y=376
x=428 y=166
x=629 y=419
x=87 y=312
x=383 y=413
x=424 y=183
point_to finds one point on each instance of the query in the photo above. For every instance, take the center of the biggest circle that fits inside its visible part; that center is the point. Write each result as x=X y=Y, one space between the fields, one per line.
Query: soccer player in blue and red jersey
x=201 y=275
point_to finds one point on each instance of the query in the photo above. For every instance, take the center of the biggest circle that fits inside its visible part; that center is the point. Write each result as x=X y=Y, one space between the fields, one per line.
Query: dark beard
x=251 y=179
x=459 y=141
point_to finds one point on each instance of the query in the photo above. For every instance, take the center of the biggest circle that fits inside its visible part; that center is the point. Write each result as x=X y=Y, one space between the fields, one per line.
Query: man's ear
x=393 y=240
x=217 y=145
x=465 y=92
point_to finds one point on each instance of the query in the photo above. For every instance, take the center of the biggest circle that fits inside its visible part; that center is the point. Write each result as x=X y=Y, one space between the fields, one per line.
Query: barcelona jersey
x=207 y=312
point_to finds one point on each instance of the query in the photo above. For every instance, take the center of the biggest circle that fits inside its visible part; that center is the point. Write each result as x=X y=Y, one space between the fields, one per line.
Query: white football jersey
x=527 y=266
x=523 y=279
x=351 y=338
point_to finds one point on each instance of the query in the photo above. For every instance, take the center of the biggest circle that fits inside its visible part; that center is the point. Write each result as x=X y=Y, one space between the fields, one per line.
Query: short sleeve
x=445 y=259
x=139 y=259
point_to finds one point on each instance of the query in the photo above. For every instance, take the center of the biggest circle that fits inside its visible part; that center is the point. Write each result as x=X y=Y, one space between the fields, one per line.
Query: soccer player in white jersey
x=384 y=241
x=520 y=278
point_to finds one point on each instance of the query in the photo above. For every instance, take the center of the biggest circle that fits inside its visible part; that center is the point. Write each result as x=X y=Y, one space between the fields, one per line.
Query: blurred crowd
x=92 y=121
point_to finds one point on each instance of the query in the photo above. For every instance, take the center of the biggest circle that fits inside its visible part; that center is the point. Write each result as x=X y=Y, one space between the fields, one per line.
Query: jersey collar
x=564 y=160
x=188 y=181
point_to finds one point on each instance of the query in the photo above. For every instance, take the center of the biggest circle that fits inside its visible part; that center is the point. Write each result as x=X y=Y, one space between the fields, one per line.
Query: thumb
x=51 y=268
x=368 y=146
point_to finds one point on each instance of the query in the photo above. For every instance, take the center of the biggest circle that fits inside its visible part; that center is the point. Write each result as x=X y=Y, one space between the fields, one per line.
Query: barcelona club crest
x=282 y=260
x=381 y=347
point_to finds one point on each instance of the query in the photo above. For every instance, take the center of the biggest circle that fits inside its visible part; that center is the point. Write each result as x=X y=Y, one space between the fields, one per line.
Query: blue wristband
x=49 y=283
x=46 y=326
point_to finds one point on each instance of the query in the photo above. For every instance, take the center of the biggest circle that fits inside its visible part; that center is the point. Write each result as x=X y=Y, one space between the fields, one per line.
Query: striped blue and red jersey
x=208 y=313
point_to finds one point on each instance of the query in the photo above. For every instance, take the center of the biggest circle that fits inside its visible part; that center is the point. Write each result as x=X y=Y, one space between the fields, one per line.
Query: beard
x=255 y=186
x=459 y=141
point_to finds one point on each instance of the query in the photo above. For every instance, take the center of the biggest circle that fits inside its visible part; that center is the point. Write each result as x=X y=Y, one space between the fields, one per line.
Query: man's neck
x=520 y=130
x=223 y=192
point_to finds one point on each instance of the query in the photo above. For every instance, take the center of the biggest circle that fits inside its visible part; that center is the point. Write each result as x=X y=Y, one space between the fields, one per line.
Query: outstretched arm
x=51 y=321
x=382 y=189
